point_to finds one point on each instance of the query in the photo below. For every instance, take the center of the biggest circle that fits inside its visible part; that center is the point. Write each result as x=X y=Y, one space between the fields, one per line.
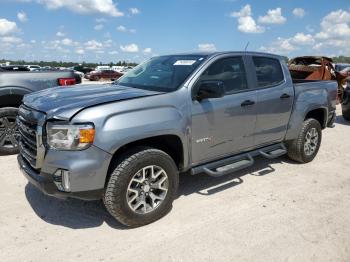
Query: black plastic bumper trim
x=44 y=182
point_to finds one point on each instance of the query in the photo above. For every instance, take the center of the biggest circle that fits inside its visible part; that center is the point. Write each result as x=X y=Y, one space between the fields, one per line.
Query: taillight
x=66 y=81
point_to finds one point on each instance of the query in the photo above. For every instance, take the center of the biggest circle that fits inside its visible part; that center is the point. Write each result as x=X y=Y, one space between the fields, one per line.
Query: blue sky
x=109 y=30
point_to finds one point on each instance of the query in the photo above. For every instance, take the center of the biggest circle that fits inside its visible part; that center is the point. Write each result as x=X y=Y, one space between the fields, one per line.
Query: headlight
x=70 y=137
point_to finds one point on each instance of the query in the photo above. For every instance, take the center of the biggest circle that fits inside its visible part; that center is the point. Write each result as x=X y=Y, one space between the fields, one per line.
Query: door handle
x=285 y=96
x=248 y=103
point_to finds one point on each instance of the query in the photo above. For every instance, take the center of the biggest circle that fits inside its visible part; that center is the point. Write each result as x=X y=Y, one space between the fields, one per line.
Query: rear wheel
x=142 y=187
x=305 y=148
x=9 y=134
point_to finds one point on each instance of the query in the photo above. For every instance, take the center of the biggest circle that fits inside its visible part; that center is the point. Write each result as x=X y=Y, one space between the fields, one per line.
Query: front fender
x=120 y=123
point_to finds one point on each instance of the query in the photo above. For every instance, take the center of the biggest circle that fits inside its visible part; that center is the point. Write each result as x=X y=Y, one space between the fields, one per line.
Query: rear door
x=275 y=100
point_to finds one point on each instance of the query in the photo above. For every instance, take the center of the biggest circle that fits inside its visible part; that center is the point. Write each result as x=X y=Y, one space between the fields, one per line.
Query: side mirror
x=210 y=89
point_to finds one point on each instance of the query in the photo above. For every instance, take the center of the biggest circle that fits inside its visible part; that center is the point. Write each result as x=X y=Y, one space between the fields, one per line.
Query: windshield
x=163 y=74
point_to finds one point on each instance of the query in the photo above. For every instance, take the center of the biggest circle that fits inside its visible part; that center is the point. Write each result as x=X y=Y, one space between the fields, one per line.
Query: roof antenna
x=246 y=47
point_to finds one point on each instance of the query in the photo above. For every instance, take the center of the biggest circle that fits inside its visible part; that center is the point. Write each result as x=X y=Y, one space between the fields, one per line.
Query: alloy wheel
x=147 y=189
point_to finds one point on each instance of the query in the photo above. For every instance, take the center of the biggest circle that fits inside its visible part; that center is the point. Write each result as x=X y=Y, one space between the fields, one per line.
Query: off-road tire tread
x=123 y=166
x=296 y=146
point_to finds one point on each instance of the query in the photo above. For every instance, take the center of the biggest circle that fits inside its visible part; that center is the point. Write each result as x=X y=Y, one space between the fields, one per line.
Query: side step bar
x=232 y=164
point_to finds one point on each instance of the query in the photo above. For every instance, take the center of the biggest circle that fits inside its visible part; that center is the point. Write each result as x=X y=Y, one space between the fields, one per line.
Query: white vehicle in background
x=33 y=67
x=100 y=68
x=118 y=68
x=81 y=74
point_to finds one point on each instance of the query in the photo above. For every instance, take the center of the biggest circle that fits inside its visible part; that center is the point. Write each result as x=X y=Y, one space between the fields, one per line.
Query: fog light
x=61 y=180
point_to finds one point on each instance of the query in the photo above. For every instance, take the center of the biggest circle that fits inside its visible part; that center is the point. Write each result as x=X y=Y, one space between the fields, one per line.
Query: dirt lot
x=276 y=211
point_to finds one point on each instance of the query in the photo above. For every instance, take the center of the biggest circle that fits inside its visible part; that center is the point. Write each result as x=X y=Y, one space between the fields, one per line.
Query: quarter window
x=229 y=70
x=268 y=71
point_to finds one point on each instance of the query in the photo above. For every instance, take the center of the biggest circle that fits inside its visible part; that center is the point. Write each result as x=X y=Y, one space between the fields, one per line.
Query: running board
x=232 y=164
x=274 y=153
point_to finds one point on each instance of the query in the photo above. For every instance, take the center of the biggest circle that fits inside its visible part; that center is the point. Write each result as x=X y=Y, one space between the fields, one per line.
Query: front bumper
x=87 y=170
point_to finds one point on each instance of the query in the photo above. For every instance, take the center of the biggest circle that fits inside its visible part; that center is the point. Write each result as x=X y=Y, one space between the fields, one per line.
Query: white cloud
x=22 y=16
x=299 y=12
x=273 y=16
x=132 y=48
x=114 y=52
x=207 y=47
x=60 y=34
x=80 y=51
x=10 y=40
x=335 y=25
x=246 y=22
x=67 y=42
x=335 y=32
x=303 y=39
x=108 y=43
x=93 y=45
x=98 y=27
x=7 y=27
x=33 y=41
x=134 y=11
x=105 y=7
x=101 y=20
x=121 y=28
x=280 y=46
x=147 y=50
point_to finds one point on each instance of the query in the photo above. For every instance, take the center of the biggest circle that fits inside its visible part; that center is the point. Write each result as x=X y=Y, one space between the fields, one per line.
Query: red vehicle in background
x=103 y=74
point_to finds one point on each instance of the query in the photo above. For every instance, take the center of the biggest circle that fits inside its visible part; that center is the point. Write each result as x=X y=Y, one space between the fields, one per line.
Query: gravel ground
x=275 y=211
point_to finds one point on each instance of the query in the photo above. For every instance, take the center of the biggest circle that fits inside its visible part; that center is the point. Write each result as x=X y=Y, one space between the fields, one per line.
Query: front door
x=224 y=126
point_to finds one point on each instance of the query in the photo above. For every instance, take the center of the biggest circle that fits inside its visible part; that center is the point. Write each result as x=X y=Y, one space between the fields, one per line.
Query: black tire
x=8 y=131
x=296 y=150
x=115 y=197
x=346 y=113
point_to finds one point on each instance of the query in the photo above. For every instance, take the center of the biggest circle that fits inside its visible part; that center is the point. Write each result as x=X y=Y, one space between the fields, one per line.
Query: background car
x=103 y=74
x=33 y=67
x=15 y=68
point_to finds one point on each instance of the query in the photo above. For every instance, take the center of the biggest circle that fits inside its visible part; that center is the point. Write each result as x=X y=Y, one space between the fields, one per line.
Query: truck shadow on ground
x=77 y=214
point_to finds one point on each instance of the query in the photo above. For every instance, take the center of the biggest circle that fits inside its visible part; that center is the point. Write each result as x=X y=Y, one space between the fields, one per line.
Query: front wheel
x=9 y=134
x=142 y=187
x=305 y=148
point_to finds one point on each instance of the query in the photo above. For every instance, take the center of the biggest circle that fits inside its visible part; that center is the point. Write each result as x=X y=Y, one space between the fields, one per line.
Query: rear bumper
x=44 y=182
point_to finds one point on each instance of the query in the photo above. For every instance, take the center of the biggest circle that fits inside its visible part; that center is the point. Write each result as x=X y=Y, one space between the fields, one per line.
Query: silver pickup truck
x=127 y=142
x=13 y=86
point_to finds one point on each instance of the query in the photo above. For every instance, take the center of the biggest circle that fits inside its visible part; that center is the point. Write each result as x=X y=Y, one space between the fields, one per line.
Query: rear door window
x=268 y=71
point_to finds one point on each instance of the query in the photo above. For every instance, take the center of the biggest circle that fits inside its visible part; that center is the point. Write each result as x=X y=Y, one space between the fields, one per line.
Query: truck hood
x=65 y=102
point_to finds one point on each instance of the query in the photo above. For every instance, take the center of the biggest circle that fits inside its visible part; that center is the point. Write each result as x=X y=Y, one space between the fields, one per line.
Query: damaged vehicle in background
x=315 y=68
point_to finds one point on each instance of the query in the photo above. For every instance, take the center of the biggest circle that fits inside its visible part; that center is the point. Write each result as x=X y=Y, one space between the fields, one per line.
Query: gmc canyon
x=13 y=86
x=205 y=113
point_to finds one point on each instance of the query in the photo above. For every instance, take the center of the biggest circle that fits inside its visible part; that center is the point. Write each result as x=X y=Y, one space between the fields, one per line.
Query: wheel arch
x=170 y=144
x=319 y=114
x=12 y=96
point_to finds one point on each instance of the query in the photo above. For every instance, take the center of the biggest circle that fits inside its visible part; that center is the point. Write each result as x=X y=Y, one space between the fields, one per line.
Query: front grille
x=28 y=140
x=29 y=124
